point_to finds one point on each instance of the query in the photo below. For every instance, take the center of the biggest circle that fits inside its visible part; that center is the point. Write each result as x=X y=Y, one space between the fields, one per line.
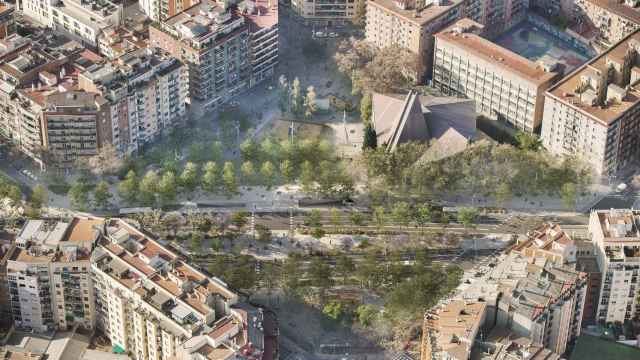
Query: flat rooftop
x=494 y=53
x=620 y=224
x=423 y=17
x=567 y=89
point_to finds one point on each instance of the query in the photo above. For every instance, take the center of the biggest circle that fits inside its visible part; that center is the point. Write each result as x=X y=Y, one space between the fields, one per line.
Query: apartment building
x=505 y=86
x=227 y=51
x=593 y=112
x=155 y=306
x=616 y=236
x=158 y=10
x=450 y=330
x=548 y=241
x=613 y=19
x=7 y=22
x=497 y=16
x=324 y=12
x=81 y=19
x=533 y=299
x=145 y=93
x=116 y=41
x=411 y=25
x=48 y=275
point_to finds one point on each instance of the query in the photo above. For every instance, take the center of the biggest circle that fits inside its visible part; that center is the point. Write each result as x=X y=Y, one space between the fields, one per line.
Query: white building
x=48 y=275
x=593 y=113
x=505 y=86
x=156 y=306
x=616 y=237
x=82 y=19
x=147 y=92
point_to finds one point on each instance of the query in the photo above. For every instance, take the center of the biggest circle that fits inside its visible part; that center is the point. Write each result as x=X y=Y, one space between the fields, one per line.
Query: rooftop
x=58 y=241
x=459 y=35
x=406 y=9
x=620 y=224
x=260 y=13
x=454 y=326
x=204 y=20
x=603 y=101
x=549 y=238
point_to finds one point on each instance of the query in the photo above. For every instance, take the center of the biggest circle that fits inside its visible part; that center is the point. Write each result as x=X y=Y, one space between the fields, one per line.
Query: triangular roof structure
x=398 y=120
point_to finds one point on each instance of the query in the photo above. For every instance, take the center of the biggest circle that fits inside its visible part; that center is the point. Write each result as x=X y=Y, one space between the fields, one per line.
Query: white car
x=332 y=34
x=320 y=34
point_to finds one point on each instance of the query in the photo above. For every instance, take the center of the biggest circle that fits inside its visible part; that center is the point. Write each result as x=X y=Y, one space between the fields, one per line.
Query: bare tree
x=106 y=162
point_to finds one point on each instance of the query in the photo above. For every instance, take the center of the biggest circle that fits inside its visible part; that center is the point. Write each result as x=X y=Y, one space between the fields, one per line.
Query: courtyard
x=531 y=41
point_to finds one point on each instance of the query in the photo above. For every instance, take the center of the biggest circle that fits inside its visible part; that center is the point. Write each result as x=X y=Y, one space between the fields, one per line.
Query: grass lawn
x=591 y=347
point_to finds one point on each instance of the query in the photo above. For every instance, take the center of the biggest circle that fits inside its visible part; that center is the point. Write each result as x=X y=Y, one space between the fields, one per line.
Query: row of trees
x=499 y=171
x=292 y=98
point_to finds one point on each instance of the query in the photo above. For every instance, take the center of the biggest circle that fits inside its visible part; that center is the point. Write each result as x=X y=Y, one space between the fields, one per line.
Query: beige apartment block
x=325 y=12
x=615 y=234
x=48 y=275
x=411 y=25
x=613 y=19
x=505 y=86
x=594 y=112
x=152 y=304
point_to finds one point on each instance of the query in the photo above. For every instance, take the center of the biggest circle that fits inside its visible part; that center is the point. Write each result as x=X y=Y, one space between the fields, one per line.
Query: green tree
x=345 y=267
x=79 y=195
x=128 y=188
x=211 y=178
x=148 y=187
x=216 y=151
x=291 y=275
x=401 y=213
x=217 y=266
x=198 y=152
x=14 y=193
x=366 y=108
x=310 y=106
x=101 y=195
x=313 y=218
x=528 y=141
x=569 y=194
x=189 y=177
x=307 y=176
x=379 y=217
x=334 y=310
x=250 y=150
x=39 y=196
x=264 y=234
x=334 y=218
x=317 y=233
x=248 y=171
x=422 y=214
x=320 y=273
x=366 y=314
x=229 y=178
x=368 y=271
x=467 y=216
x=370 y=140
x=283 y=94
x=167 y=188
x=267 y=171
x=503 y=194
x=357 y=218
x=196 y=243
x=297 y=99
x=287 y=170
x=240 y=219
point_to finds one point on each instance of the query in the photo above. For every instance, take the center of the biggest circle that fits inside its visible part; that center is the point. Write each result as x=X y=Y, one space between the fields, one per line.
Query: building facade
x=411 y=25
x=49 y=275
x=616 y=237
x=83 y=20
x=227 y=51
x=153 y=305
x=505 y=86
x=144 y=91
x=593 y=112
x=613 y=19
x=323 y=12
